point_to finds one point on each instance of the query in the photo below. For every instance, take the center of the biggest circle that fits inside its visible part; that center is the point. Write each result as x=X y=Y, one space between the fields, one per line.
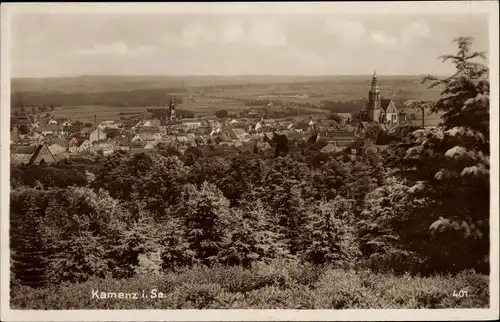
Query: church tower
x=171 y=107
x=374 y=100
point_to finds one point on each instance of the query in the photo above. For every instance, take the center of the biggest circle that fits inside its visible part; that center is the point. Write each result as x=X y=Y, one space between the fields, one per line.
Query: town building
x=42 y=154
x=97 y=135
x=377 y=109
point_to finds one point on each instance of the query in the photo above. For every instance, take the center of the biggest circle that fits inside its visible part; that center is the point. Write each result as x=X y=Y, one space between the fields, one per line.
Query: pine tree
x=330 y=237
x=28 y=250
x=207 y=221
x=449 y=165
x=81 y=228
x=254 y=236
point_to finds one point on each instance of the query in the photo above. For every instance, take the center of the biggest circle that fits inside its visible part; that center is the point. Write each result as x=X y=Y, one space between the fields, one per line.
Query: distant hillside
x=89 y=84
x=126 y=91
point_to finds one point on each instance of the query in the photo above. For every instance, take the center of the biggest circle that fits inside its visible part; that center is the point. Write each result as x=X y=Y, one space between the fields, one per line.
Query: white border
x=427 y=8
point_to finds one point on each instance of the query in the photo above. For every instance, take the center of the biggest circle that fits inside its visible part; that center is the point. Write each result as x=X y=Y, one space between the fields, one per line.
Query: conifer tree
x=207 y=221
x=449 y=166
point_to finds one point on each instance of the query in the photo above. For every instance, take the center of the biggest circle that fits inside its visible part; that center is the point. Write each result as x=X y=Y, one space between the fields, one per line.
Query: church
x=379 y=110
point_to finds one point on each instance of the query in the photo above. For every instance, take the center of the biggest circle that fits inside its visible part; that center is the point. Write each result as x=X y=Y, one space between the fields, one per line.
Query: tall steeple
x=171 y=107
x=374 y=99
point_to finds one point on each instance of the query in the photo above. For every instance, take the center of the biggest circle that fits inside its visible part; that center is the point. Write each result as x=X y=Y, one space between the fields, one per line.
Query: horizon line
x=222 y=76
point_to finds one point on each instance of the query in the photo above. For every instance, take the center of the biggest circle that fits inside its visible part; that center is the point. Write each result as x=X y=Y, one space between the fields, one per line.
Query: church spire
x=374 y=85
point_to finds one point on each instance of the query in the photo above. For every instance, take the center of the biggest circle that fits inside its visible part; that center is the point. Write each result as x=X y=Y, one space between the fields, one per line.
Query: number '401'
x=460 y=293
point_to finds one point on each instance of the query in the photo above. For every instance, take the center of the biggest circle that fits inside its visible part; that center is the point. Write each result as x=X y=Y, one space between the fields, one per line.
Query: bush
x=264 y=286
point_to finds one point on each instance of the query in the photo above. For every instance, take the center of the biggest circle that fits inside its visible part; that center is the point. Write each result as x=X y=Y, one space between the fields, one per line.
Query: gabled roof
x=239 y=132
x=39 y=149
x=384 y=103
x=59 y=141
x=48 y=127
x=331 y=148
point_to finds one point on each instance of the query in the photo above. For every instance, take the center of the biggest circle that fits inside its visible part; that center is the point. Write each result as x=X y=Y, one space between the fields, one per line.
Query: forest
x=401 y=228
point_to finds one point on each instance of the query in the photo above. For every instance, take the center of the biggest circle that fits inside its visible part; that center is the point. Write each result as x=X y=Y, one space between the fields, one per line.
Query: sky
x=70 y=44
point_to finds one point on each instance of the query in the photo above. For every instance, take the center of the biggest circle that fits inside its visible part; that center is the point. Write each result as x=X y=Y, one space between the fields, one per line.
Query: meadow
x=81 y=98
x=266 y=286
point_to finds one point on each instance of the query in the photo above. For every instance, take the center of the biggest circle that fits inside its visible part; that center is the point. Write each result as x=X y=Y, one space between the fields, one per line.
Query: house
x=238 y=134
x=48 y=129
x=150 y=145
x=412 y=117
x=191 y=124
x=203 y=130
x=167 y=139
x=42 y=154
x=105 y=149
x=378 y=109
x=332 y=148
x=261 y=145
x=73 y=142
x=147 y=136
x=33 y=137
x=139 y=147
x=345 y=116
x=97 y=135
x=182 y=139
x=191 y=137
x=120 y=143
x=341 y=138
x=301 y=127
x=108 y=125
x=58 y=147
x=152 y=122
x=85 y=146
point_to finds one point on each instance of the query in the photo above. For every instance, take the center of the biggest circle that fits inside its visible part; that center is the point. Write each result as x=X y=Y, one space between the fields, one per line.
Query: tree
x=465 y=95
x=222 y=114
x=449 y=165
x=207 y=221
x=159 y=186
x=82 y=229
x=330 y=237
x=28 y=251
x=255 y=237
x=335 y=117
x=111 y=133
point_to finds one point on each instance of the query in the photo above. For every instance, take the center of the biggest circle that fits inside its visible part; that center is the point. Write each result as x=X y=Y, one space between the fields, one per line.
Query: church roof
x=384 y=103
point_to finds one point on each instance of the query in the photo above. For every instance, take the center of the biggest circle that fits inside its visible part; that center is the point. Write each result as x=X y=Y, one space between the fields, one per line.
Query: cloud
x=233 y=32
x=414 y=32
x=382 y=38
x=116 y=48
x=266 y=32
x=196 y=34
x=347 y=30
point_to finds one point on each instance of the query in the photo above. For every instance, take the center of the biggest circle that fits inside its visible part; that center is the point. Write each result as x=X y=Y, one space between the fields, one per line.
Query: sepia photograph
x=294 y=157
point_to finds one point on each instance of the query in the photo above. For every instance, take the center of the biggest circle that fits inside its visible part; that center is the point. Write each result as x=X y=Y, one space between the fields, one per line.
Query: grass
x=273 y=286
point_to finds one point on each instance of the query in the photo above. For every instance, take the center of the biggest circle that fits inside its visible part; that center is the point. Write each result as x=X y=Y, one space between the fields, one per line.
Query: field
x=81 y=98
x=275 y=286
